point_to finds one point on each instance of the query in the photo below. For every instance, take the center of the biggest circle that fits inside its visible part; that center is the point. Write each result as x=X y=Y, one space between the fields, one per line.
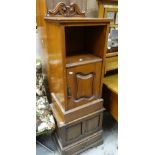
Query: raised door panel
x=83 y=84
x=73 y=132
x=93 y=124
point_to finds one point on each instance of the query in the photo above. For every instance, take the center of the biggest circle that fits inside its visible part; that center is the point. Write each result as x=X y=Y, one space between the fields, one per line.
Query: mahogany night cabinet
x=76 y=48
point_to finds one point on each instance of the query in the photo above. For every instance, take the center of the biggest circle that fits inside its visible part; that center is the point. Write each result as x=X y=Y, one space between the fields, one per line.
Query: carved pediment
x=61 y=9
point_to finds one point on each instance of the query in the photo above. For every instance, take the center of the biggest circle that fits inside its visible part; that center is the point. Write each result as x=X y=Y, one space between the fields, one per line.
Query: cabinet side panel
x=56 y=61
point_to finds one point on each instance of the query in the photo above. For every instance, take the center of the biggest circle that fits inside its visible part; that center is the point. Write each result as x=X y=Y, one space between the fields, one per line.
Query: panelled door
x=83 y=84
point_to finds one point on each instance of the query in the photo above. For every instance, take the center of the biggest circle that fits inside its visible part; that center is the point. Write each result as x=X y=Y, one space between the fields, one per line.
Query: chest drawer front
x=81 y=128
x=84 y=144
x=83 y=83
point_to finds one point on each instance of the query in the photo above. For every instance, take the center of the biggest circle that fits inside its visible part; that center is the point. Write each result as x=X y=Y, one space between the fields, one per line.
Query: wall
x=92 y=8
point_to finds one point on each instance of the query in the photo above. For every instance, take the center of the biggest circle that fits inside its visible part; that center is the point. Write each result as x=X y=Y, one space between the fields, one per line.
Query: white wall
x=92 y=8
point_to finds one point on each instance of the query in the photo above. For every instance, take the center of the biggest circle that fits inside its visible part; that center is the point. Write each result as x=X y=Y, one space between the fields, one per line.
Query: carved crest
x=61 y=9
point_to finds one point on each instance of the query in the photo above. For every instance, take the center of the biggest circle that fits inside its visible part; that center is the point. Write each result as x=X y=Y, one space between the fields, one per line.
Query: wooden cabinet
x=75 y=65
x=76 y=48
x=75 y=53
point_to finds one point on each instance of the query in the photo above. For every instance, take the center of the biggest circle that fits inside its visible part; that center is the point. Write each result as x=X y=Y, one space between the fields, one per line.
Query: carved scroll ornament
x=61 y=9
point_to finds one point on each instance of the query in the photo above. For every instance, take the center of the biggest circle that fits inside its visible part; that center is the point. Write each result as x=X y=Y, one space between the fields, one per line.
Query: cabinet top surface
x=64 y=20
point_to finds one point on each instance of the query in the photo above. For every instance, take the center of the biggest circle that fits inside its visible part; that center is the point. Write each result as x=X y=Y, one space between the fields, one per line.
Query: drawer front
x=80 y=129
x=83 y=84
x=84 y=144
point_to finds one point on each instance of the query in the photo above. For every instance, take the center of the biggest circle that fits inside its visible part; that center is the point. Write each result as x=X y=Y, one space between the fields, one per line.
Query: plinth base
x=81 y=145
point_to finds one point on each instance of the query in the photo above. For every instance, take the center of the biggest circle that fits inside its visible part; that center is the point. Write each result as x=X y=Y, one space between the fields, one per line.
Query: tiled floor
x=109 y=146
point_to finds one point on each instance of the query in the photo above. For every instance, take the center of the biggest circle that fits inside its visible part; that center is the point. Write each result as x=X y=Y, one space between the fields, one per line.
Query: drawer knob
x=71 y=73
x=80 y=59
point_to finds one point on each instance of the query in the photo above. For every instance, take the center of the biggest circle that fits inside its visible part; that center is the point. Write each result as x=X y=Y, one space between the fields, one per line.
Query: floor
x=46 y=144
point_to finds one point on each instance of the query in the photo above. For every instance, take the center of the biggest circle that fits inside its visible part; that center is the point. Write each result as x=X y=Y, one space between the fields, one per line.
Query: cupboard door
x=83 y=83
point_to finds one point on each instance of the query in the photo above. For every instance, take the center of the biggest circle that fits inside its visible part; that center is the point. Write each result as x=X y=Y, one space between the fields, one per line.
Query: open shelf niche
x=82 y=44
